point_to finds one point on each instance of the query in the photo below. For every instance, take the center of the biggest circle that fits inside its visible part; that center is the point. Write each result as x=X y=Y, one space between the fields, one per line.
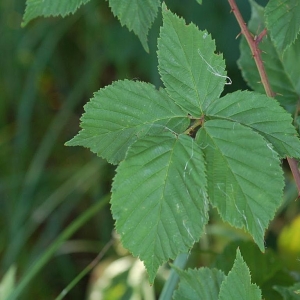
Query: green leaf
x=245 y=181
x=198 y=284
x=121 y=113
x=190 y=70
x=159 y=198
x=137 y=15
x=237 y=284
x=47 y=8
x=283 y=22
x=264 y=115
x=266 y=268
x=289 y=293
x=199 y=1
x=282 y=71
x=262 y=265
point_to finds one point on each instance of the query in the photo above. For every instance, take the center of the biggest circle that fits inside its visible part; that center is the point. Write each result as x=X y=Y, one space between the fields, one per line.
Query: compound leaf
x=203 y=283
x=282 y=70
x=47 y=8
x=283 y=22
x=137 y=15
x=190 y=70
x=262 y=114
x=121 y=113
x=245 y=181
x=237 y=284
x=159 y=198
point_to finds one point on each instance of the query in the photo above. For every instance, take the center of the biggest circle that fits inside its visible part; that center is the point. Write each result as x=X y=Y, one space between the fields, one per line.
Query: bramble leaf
x=47 y=8
x=262 y=266
x=237 y=284
x=283 y=22
x=159 y=198
x=121 y=113
x=282 y=71
x=245 y=181
x=190 y=70
x=137 y=15
x=203 y=283
x=264 y=115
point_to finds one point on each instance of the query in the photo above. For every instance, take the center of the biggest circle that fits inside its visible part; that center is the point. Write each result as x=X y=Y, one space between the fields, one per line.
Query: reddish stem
x=256 y=53
x=253 y=44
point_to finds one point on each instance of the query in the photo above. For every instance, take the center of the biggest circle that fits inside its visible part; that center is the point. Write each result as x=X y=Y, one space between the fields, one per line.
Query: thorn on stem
x=238 y=35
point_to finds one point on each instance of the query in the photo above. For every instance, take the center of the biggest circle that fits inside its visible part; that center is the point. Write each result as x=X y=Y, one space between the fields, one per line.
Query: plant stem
x=253 y=44
x=85 y=271
x=256 y=53
x=173 y=279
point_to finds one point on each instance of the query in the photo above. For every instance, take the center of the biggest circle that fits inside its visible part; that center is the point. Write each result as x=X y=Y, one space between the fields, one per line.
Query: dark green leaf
x=289 y=293
x=159 y=198
x=245 y=181
x=121 y=113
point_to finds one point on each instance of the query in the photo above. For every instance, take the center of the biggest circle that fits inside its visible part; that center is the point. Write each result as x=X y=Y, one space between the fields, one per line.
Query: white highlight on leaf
x=204 y=195
x=226 y=195
x=233 y=126
x=205 y=35
x=188 y=230
x=274 y=153
x=242 y=213
x=214 y=71
x=259 y=224
x=186 y=165
x=163 y=127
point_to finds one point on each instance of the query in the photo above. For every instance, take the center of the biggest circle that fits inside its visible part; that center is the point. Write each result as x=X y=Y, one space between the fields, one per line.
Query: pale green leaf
x=245 y=181
x=159 y=198
x=8 y=282
x=137 y=15
x=262 y=114
x=198 y=284
x=282 y=71
x=47 y=8
x=237 y=284
x=199 y=1
x=283 y=22
x=192 y=73
x=121 y=113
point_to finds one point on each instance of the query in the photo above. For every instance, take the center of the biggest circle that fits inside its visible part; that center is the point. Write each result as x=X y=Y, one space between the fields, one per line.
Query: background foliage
x=49 y=70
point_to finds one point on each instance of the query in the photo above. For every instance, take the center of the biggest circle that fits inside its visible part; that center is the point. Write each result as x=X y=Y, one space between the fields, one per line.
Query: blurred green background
x=48 y=71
